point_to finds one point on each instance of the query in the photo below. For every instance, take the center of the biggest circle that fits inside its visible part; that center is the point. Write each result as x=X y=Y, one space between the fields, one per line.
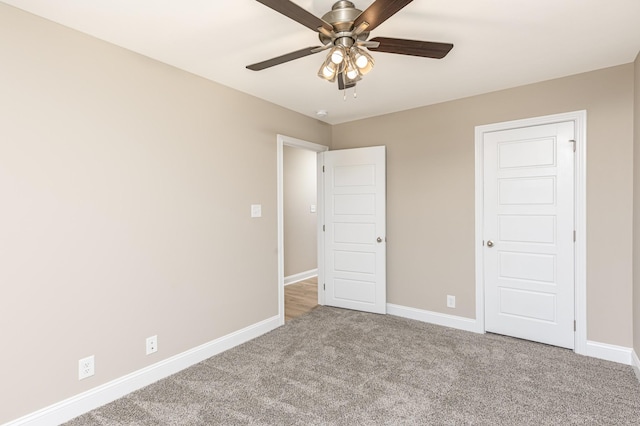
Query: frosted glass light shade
x=337 y=54
x=364 y=62
x=328 y=70
x=350 y=73
x=350 y=69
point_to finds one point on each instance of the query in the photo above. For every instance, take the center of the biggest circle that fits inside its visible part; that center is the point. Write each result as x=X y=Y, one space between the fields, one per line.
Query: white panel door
x=355 y=245
x=529 y=233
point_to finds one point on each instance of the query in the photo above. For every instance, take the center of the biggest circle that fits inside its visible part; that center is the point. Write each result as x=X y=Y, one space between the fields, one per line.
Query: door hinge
x=574 y=325
x=482 y=243
x=322 y=169
x=574 y=236
x=324 y=286
x=573 y=141
x=322 y=228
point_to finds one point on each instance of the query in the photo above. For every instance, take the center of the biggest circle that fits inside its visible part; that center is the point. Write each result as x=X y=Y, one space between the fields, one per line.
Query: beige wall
x=430 y=193
x=126 y=188
x=636 y=210
x=300 y=225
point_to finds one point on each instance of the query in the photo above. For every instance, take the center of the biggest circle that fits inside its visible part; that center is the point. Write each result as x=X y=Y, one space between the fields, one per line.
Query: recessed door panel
x=360 y=175
x=530 y=305
x=353 y=261
x=355 y=291
x=354 y=233
x=533 y=153
x=527 y=191
x=527 y=229
x=354 y=204
x=527 y=266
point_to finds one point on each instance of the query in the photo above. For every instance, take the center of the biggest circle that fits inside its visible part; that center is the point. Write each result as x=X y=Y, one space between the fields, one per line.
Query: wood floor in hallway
x=300 y=298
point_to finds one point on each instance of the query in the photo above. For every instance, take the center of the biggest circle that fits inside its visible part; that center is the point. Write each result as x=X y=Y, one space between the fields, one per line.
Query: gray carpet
x=340 y=367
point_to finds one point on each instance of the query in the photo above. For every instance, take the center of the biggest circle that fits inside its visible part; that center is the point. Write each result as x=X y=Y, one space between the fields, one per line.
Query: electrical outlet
x=152 y=344
x=451 y=301
x=86 y=367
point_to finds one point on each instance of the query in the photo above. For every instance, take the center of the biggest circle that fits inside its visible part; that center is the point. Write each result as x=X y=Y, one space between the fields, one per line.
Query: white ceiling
x=497 y=44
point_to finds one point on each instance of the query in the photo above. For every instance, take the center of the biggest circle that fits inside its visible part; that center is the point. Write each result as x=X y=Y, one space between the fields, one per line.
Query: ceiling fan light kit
x=344 y=32
x=353 y=63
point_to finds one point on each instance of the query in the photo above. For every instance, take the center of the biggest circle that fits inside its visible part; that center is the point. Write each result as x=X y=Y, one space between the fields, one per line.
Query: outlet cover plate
x=86 y=367
x=451 y=301
x=152 y=344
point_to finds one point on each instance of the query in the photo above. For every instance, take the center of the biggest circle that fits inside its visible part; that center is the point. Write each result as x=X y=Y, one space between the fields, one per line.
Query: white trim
x=301 y=276
x=281 y=141
x=619 y=354
x=635 y=363
x=580 y=119
x=479 y=214
x=320 y=239
x=608 y=352
x=72 y=407
x=581 y=232
x=437 y=318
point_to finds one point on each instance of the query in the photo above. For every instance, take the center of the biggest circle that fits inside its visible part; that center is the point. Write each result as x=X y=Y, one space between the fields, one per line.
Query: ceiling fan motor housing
x=342 y=15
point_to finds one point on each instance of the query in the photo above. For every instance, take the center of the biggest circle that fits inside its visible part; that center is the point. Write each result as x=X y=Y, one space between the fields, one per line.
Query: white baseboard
x=620 y=354
x=101 y=395
x=437 y=318
x=635 y=363
x=300 y=276
x=609 y=352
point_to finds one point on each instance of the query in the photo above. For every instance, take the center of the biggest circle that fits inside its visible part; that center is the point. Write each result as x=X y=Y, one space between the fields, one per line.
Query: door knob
x=379 y=239
x=489 y=243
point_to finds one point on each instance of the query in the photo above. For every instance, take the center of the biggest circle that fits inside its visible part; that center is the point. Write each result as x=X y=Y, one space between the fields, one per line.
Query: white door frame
x=580 y=206
x=283 y=140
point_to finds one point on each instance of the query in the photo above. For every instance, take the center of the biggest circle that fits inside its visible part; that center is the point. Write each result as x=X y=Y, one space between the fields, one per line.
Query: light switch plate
x=256 y=210
x=313 y=208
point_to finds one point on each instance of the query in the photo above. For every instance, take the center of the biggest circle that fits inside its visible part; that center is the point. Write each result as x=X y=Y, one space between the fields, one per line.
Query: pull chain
x=344 y=93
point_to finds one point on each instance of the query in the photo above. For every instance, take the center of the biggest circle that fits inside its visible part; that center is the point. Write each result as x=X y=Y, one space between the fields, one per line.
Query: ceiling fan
x=344 y=32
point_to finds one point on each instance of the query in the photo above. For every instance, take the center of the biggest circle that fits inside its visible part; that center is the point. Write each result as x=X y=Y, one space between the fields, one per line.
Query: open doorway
x=300 y=206
x=299 y=215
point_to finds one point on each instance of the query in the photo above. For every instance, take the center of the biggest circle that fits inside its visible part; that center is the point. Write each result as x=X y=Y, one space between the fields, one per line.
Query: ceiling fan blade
x=297 y=13
x=284 y=58
x=380 y=11
x=425 y=49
